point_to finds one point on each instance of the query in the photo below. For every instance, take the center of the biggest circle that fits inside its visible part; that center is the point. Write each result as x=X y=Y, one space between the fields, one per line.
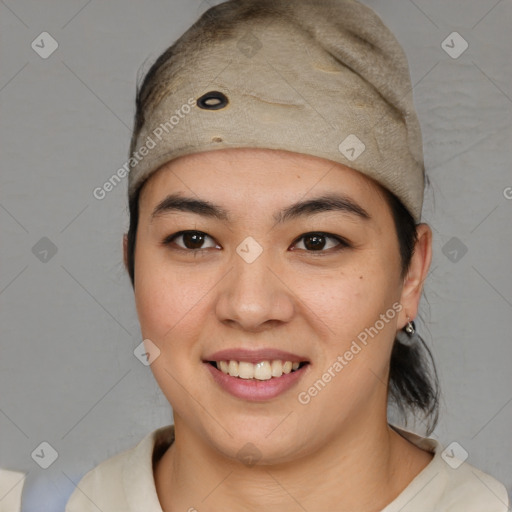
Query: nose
x=254 y=296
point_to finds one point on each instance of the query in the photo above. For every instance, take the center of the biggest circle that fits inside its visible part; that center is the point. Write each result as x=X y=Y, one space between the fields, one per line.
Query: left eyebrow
x=324 y=203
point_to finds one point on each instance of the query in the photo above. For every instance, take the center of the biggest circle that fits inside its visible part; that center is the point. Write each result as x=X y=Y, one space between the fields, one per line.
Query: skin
x=338 y=451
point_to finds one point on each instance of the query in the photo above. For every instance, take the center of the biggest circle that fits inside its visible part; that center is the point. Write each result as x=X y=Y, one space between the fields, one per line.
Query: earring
x=408 y=335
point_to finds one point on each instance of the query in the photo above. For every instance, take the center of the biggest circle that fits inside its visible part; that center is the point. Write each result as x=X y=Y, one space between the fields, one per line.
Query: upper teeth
x=264 y=370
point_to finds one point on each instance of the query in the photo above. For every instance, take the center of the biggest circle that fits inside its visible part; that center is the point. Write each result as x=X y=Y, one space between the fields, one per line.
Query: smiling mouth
x=263 y=370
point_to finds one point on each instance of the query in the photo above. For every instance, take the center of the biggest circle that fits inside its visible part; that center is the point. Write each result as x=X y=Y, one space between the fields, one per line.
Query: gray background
x=68 y=375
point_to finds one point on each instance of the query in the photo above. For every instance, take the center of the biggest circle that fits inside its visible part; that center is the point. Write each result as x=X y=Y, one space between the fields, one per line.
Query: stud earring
x=408 y=335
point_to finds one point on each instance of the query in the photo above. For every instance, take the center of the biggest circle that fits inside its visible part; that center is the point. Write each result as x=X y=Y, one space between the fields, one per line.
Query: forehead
x=261 y=174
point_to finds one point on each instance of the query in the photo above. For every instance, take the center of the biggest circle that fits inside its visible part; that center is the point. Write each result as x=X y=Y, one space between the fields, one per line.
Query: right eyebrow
x=175 y=202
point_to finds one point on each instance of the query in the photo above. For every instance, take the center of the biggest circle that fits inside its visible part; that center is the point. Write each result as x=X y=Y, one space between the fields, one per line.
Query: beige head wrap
x=321 y=77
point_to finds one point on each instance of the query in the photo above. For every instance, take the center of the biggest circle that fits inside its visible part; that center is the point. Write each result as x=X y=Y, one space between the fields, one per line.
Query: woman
x=278 y=259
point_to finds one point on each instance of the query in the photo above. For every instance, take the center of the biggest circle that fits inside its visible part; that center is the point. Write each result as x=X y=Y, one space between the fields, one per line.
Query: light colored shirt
x=11 y=486
x=125 y=482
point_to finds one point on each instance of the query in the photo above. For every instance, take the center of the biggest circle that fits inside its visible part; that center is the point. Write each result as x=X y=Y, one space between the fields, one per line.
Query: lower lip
x=253 y=389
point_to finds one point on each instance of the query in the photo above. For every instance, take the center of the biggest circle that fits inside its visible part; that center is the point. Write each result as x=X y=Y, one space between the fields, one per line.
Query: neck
x=364 y=467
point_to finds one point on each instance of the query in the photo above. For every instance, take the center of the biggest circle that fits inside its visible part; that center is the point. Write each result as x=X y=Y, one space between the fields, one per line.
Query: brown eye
x=314 y=242
x=192 y=240
x=317 y=242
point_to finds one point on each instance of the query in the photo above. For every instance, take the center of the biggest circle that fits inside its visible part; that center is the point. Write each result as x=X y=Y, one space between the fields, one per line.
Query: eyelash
x=342 y=244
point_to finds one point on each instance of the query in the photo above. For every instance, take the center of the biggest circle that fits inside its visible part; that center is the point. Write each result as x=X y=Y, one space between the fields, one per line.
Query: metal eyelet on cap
x=212 y=100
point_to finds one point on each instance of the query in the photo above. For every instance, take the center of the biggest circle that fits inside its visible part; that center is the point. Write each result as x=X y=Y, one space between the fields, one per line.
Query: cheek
x=360 y=310
x=169 y=305
x=167 y=299
x=353 y=298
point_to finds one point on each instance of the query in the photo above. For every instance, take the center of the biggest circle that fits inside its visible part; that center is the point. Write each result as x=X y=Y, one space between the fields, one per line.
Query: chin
x=259 y=440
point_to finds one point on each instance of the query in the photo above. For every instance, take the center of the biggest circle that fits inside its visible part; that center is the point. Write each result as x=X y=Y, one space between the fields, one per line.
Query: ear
x=125 y=251
x=418 y=270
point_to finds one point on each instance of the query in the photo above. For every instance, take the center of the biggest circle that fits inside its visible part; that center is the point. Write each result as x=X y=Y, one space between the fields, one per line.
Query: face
x=234 y=277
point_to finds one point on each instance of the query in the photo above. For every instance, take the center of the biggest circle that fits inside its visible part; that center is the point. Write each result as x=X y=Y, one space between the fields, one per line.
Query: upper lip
x=254 y=356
